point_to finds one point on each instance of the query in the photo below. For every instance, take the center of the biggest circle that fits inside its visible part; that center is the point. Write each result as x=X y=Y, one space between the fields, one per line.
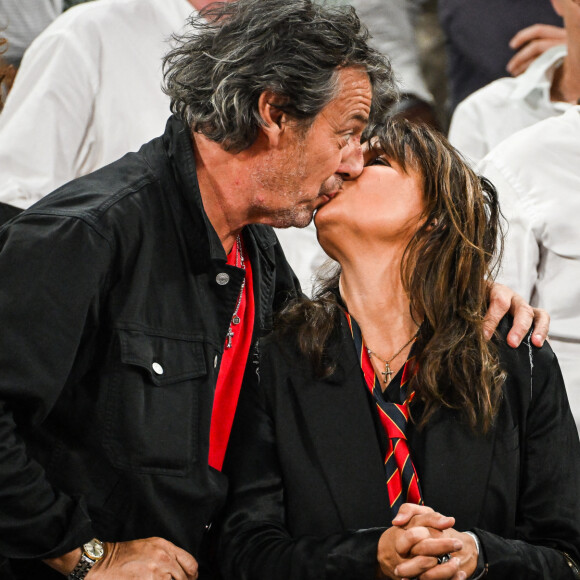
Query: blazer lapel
x=339 y=418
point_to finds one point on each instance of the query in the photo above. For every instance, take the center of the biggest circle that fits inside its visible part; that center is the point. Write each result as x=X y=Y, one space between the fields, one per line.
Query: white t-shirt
x=537 y=175
x=87 y=92
x=506 y=106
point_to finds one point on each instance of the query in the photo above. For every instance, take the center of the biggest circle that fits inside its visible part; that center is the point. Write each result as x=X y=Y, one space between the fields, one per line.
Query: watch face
x=94 y=549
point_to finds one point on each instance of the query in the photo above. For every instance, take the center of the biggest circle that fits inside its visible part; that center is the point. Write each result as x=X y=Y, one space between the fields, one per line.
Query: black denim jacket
x=109 y=274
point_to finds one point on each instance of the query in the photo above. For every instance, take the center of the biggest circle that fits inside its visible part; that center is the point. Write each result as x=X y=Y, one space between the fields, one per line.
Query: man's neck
x=566 y=82
x=224 y=180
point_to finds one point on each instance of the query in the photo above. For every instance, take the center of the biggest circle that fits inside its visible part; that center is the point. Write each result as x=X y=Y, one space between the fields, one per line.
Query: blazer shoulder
x=531 y=370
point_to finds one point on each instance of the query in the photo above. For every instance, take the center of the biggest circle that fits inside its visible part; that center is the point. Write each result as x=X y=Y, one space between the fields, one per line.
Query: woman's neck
x=375 y=297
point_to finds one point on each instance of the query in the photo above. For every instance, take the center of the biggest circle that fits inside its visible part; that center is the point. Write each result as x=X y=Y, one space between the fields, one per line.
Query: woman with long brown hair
x=387 y=438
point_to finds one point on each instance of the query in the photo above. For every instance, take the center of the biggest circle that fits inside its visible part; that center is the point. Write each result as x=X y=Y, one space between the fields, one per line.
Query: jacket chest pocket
x=152 y=404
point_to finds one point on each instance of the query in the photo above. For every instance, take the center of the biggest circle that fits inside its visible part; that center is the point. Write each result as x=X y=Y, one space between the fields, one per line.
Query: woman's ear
x=273 y=116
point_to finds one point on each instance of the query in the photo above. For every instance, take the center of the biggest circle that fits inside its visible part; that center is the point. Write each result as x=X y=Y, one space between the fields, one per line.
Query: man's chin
x=294 y=220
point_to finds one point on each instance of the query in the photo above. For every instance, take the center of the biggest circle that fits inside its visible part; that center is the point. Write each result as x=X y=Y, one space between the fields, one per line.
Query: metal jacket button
x=222 y=278
x=157 y=368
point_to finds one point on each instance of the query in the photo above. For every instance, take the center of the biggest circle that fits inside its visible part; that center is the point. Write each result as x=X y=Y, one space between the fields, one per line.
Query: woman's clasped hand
x=413 y=547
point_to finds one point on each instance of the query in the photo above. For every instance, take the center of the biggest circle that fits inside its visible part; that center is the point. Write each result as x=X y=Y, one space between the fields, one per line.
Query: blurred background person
x=88 y=90
x=483 y=38
x=7 y=73
x=549 y=87
x=23 y=21
x=537 y=174
x=438 y=64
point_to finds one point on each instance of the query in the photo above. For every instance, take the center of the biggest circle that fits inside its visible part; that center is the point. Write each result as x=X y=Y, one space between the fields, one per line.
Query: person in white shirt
x=87 y=92
x=392 y=25
x=537 y=175
x=21 y=21
x=549 y=87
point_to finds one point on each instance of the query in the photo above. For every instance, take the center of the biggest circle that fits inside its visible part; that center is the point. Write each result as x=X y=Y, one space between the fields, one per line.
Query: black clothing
x=103 y=278
x=309 y=499
x=7 y=212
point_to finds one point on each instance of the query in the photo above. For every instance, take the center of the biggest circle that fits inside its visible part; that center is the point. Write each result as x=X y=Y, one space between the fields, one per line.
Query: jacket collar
x=179 y=147
x=350 y=453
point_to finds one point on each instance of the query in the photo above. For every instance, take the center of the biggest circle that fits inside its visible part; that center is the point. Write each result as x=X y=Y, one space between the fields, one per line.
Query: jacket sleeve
x=52 y=271
x=548 y=520
x=255 y=541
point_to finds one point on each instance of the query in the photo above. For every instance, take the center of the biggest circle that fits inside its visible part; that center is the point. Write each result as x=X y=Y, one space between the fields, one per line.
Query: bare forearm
x=66 y=563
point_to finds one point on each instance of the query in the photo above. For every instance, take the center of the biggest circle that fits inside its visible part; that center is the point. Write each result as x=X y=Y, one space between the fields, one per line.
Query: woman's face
x=383 y=205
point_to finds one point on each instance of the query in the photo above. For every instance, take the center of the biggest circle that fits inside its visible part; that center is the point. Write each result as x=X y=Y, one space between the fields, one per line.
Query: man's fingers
x=537 y=31
x=180 y=564
x=532 y=41
x=147 y=559
x=189 y=565
x=499 y=304
x=541 y=326
x=526 y=55
x=523 y=315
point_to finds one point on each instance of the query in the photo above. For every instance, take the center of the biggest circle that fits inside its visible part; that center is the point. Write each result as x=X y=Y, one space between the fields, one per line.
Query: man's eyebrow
x=364 y=119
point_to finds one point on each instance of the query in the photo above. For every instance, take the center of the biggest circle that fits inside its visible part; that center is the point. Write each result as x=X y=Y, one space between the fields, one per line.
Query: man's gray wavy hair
x=232 y=52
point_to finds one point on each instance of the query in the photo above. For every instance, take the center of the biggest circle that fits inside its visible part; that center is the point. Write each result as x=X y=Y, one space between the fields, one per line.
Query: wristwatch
x=93 y=551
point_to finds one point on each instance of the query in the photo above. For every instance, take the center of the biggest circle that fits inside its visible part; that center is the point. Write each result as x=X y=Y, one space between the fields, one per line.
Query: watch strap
x=82 y=568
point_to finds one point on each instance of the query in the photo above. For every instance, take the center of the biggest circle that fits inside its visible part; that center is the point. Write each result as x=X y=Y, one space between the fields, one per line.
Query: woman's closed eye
x=379 y=160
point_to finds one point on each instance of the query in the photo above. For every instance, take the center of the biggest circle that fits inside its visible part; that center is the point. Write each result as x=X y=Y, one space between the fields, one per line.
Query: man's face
x=310 y=168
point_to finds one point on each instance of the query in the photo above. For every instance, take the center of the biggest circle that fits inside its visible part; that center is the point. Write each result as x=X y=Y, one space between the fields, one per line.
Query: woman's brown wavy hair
x=445 y=271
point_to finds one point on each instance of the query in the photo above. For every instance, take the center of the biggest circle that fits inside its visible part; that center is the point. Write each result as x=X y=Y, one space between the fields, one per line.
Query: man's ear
x=274 y=118
x=558 y=8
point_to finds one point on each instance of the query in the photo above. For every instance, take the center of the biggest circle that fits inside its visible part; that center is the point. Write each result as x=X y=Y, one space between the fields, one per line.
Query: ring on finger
x=443 y=559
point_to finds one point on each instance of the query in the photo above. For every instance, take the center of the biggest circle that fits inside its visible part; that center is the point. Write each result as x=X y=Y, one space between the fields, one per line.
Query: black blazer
x=309 y=498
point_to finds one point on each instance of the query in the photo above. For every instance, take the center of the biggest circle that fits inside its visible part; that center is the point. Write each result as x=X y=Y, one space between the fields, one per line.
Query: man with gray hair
x=130 y=298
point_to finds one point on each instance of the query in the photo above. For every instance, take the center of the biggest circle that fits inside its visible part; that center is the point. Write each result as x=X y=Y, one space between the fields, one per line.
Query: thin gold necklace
x=388 y=372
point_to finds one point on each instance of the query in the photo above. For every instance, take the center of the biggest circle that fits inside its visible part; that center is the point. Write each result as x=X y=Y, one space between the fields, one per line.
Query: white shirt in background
x=537 y=175
x=21 y=21
x=392 y=27
x=87 y=92
x=506 y=106
x=304 y=254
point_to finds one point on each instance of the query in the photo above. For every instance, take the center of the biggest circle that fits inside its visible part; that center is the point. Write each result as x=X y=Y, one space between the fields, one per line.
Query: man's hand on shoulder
x=503 y=300
x=529 y=43
x=147 y=559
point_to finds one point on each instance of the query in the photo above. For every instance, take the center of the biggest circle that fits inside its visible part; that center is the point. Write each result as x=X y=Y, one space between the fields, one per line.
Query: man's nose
x=352 y=162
